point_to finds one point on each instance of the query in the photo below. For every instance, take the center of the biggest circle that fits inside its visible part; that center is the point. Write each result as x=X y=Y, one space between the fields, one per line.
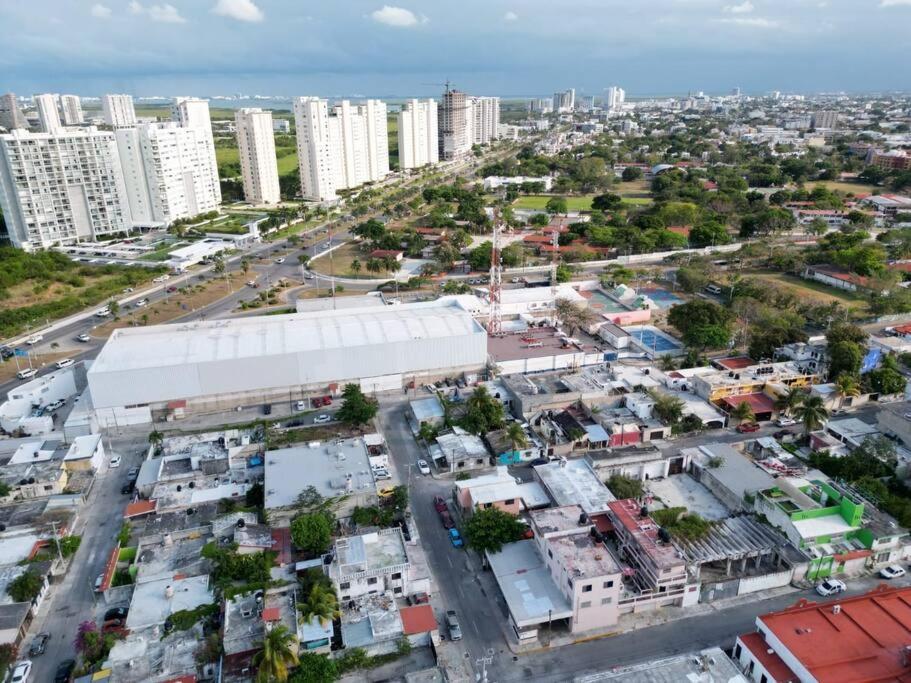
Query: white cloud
x=511 y=16
x=397 y=16
x=755 y=22
x=744 y=7
x=242 y=10
x=895 y=3
x=100 y=11
x=165 y=13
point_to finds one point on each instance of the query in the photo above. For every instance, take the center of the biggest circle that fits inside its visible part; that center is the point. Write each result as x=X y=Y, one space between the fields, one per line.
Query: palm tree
x=320 y=604
x=355 y=266
x=668 y=363
x=427 y=432
x=788 y=401
x=743 y=412
x=847 y=385
x=812 y=412
x=276 y=656
x=516 y=436
x=245 y=265
x=669 y=408
x=374 y=265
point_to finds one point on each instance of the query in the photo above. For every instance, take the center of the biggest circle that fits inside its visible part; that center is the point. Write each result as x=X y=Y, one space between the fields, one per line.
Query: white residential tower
x=258 y=164
x=118 y=110
x=418 y=138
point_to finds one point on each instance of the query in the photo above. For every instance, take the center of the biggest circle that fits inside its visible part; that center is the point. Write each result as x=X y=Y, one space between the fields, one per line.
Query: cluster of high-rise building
x=616 y=96
x=68 y=183
x=465 y=121
x=565 y=101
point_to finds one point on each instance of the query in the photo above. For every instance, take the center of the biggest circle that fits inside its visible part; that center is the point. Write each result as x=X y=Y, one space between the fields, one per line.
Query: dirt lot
x=177 y=305
x=815 y=291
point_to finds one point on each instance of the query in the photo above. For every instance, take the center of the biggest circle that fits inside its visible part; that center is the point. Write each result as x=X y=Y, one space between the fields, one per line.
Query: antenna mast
x=495 y=321
x=555 y=242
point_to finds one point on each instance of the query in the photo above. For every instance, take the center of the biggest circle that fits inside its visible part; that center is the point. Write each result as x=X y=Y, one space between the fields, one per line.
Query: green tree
x=490 y=529
x=516 y=435
x=321 y=603
x=355 y=266
x=303 y=259
x=313 y=668
x=556 y=205
x=276 y=656
x=667 y=407
x=25 y=587
x=842 y=331
x=574 y=315
x=631 y=173
x=668 y=362
x=356 y=408
x=847 y=386
x=624 y=487
x=245 y=265
x=692 y=279
x=812 y=413
x=8 y=651
x=743 y=412
x=427 y=433
x=114 y=308
x=483 y=412
x=887 y=380
x=704 y=324
x=607 y=202
x=844 y=357
x=789 y=400
x=312 y=532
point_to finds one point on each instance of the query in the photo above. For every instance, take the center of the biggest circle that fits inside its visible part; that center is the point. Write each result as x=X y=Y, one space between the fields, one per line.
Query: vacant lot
x=809 y=290
x=341 y=263
x=38 y=288
x=228 y=159
x=847 y=188
x=539 y=202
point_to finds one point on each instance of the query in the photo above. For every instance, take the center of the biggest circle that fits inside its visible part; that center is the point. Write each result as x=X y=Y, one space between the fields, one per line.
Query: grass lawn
x=810 y=290
x=341 y=263
x=846 y=187
x=539 y=201
x=287 y=160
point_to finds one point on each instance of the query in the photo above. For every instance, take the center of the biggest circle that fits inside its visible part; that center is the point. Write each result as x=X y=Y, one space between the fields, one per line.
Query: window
x=763 y=679
x=587 y=588
x=345 y=585
x=738 y=651
x=397 y=575
x=606 y=601
x=371 y=580
x=510 y=501
x=608 y=584
x=550 y=553
x=585 y=605
x=397 y=589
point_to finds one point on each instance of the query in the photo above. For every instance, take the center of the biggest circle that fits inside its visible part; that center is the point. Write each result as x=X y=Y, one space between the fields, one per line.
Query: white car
x=280 y=260
x=893 y=571
x=99 y=582
x=785 y=421
x=831 y=587
x=300 y=405
x=34 y=339
x=141 y=303
x=103 y=313
x=83 y=338
x=322 y=419
x=115 y=461
x=423 y=467
x=381 y=473
x=21 y=672
x=64 y=363
x=28 y=373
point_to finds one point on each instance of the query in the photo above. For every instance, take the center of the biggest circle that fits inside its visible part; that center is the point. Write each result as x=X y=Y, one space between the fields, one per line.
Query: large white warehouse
x=221 y=364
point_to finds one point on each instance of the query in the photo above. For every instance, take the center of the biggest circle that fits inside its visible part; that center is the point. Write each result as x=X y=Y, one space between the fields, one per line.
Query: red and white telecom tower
x=495 y=320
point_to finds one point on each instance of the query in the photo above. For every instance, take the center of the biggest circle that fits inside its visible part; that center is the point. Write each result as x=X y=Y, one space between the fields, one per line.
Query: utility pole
x=495 y=319
x=56 y=541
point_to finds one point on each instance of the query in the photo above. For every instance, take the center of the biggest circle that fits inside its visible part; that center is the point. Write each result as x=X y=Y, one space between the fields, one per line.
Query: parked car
x=747 y=427
x=99 y=582
x=322 y=419
x=83 y=338
x=538 y=461
x=34 y=339
x=831 y=587
x=128 y=488
x=455 y=538
x=141 y=303
x=783 y=434
x=115 y=461
x=55 y=405
x=64 y=671
x=267 y=408
x=39 y=644
x=300 y=405
x=116 y=613
x=21 y=672
x=133 y=472
x=381 y=473
x=446 y=519
x=452 y=621
x=893 y=571
x=27 y=373
x=64 y=363
x=423 y=467
x=785 y=421
x=6 y=352
x=439 y=504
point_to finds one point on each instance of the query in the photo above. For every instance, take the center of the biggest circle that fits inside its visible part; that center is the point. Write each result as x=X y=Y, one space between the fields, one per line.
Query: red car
x=439 y=504
x=747 y=427
x=446 y=518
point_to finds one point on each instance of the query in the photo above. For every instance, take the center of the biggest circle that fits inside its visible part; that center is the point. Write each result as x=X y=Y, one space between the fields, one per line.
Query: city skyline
x=508 y=49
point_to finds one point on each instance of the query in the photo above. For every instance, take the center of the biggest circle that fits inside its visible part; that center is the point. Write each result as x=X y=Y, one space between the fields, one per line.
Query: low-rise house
x=428 y=410
x=565 y=574
x=85 y=453
x=247 y=619
x=370 y=564
x=574 y=482
x=640 y=462
x=155 y=601
x=838 y=278
x=894 y=419
x=500 y=490
x=505 y=452
x=458 y=451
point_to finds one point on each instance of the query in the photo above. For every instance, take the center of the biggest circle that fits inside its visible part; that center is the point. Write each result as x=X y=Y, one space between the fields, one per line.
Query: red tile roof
x=272 y=614
x=281 y=544
x=418 y=619
x=760 y=403
x=864 y=641
x=140 y=507
x=771 y=662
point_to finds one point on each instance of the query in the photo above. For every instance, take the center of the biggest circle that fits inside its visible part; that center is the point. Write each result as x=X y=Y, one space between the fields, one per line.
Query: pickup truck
x=452 y=621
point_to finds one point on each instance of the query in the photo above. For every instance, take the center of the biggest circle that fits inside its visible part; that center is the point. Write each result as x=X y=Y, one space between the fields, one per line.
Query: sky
x=510 y=48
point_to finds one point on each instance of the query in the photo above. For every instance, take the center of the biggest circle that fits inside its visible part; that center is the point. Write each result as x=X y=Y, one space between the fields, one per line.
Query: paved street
x=72 y=601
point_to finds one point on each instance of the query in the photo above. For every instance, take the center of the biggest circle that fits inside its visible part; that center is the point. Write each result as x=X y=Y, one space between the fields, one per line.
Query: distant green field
x=539 y=201
x=287 y=159
x=287 y=163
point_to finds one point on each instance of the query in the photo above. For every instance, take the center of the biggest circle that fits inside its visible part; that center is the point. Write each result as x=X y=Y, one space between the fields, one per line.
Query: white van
x=713 y=289
x=28 y=373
